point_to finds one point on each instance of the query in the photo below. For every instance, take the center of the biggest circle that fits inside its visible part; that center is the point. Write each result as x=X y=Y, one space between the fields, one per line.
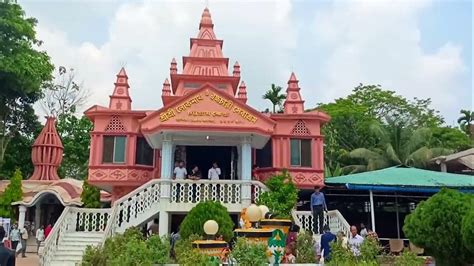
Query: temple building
x=204 y=119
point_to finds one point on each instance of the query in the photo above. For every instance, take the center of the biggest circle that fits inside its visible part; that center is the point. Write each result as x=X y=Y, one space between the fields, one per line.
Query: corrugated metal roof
x=404 y=177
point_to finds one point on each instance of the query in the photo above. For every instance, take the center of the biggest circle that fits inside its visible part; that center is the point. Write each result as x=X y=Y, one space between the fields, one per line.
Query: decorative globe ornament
x=264 y=209
x=254 y=214
x=211 y=227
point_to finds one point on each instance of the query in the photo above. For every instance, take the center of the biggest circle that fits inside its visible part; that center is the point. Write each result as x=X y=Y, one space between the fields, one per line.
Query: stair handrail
x=344 y=225
x=51 y=242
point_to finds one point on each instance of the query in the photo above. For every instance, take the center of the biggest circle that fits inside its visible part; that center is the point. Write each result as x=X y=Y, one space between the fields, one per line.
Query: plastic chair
x=396 y=246
x=415 y=249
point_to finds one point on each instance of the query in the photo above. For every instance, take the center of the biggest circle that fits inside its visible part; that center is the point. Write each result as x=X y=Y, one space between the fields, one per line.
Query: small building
x=461 y=162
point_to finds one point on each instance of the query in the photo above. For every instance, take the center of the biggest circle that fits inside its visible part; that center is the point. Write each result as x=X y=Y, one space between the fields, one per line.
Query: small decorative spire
x=166 y=88
x=236 y=69
x=47 y=152
x=174 y=67
x=242 y=94
x=120 y=99
x=294 y=103
x=206 y=20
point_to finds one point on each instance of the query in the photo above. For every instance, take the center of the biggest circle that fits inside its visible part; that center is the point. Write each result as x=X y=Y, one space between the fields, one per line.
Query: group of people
x=16 y=240
x=180 y=172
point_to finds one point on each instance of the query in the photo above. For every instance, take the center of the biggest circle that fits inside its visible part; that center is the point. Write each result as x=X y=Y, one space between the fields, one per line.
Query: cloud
x=378 y=42
x=146 y=36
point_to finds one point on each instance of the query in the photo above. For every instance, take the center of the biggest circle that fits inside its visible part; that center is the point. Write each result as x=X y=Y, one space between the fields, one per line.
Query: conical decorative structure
x=242 y=95
x=293 y=104
x=47 y=152
x=120 y=99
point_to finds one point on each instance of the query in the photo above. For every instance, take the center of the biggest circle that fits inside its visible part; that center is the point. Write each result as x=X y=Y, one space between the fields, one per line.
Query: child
x=289 y=254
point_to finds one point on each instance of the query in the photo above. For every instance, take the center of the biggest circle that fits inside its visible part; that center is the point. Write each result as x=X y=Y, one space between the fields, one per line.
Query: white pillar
x=372 y=212
x=246 y=172
x=164 y=223
x=166 y=159
x=22 y=216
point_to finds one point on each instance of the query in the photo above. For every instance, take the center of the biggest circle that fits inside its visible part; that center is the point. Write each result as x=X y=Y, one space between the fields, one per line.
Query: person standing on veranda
x=214 y=172
x=318 y=207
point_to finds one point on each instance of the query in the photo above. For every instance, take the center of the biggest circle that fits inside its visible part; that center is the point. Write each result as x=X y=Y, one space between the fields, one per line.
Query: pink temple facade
x=204 y=119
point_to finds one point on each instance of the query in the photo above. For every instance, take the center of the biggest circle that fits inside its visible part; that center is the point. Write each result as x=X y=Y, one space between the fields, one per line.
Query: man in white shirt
x=180 y=171
x=355 y=241
x=214 y=172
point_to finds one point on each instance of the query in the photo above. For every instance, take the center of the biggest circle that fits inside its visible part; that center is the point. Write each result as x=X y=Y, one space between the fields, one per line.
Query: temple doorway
x=204 y=156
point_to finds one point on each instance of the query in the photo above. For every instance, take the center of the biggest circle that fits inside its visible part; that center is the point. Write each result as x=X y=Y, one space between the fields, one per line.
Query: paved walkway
x=30 y=260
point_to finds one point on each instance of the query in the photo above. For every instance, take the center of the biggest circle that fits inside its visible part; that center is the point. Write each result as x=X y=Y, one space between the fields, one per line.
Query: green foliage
x=343 y=256
x=450 y=138
x=248 y=253
x=397 y=145
x=275 y=96
x=202 y=212
x=369 y=250
x=129 y=248
x=90 y=196
x=18 y=154
x=408 y=258
x=466 y=120
x=187 y=255
x=282 y=197
x=436 y=224
x=75 y=137
x=305 y=252
x=467 y=228
x=23 y=70
x=12 y=193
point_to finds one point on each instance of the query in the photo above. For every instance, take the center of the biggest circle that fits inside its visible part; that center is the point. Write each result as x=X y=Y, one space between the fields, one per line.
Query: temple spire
x=120 y=99
x=166 y=91
x=206 y=26
x=47 y=152
x=293 y=104
x=242 y=95
x=174 y=67
x=236 y=72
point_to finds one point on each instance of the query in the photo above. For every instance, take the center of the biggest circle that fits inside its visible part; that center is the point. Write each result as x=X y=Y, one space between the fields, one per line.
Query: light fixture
x=210 y=228
x=412 y=206
x=254 y=214
x=264 y=209
x=207 y=137
x=367 y=206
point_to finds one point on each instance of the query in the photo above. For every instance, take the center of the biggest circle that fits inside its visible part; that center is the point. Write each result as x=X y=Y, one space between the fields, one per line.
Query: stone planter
x=282 y=224
x=255 y=235
x=213 y=248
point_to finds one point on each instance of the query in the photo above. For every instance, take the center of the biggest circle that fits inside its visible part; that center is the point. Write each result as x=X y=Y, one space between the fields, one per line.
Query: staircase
x=337 y=223
x=77 y=228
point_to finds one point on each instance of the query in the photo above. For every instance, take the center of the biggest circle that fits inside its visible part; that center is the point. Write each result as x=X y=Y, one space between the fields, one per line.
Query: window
x=114 y=149
x=264 y=156
x=300 y=152
x=144 y=153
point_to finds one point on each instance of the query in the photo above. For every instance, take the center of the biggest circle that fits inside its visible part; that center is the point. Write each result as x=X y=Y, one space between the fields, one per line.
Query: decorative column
x=166 y=158
x=22 y=216
x=164 y=223
x=246 y=173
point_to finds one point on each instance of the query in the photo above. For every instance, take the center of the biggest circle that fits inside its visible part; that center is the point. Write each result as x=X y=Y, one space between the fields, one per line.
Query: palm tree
x=397 y=145
x=465 y=121
x=274 y=95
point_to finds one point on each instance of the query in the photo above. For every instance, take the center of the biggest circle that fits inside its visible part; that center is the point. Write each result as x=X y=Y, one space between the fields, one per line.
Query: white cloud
x=378 y=42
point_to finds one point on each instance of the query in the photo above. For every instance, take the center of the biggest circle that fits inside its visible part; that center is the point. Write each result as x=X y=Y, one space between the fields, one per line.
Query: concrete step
x=75 y=258
x=64 y=263
x=68 y=253
x=85 y=234
x=72 y=238
x=76 y=245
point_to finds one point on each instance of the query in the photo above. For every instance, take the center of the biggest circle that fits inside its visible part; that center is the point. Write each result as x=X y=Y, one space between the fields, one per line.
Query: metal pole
x=372 y=212
x=398 y=220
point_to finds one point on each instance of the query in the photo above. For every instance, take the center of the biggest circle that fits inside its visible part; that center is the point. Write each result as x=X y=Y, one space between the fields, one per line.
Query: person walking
x=318 y=206
x=15 y=236
x=47 y=231
x=7 y=256
x=24 y=238
x=355 y=241
x=39 y=236
x=326 y=239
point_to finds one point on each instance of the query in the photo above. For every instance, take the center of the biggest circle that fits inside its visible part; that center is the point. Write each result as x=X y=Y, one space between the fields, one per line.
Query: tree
x=23 y=70
x=74 y=133
x=274 y=95
x=435 y=224
x=63 y=95
x=397 y=145
x=90 y=196
x=202 y=212
x=12 y=193
x=466 y=120
x=282 y=195
x=467 y=228
x=449 y=138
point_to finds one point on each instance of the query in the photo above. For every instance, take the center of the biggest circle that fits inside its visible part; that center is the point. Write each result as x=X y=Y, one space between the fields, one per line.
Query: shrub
x=90 y=196
x=247 y=253
x=12 y=193
x=305 y=252
x=369 y=250
x=209 y=210
x=467 y=228
x=435 y=225
x=129 y=248
x=282 y=197
x=186 y=255
x=343 y=256
x=408 y=258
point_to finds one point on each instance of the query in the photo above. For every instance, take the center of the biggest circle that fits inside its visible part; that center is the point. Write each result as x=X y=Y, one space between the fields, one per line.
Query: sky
x=417 y=48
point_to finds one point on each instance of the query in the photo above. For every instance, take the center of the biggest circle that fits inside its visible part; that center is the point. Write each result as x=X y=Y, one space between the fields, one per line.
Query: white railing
x=304 y=219
x=73 y=219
